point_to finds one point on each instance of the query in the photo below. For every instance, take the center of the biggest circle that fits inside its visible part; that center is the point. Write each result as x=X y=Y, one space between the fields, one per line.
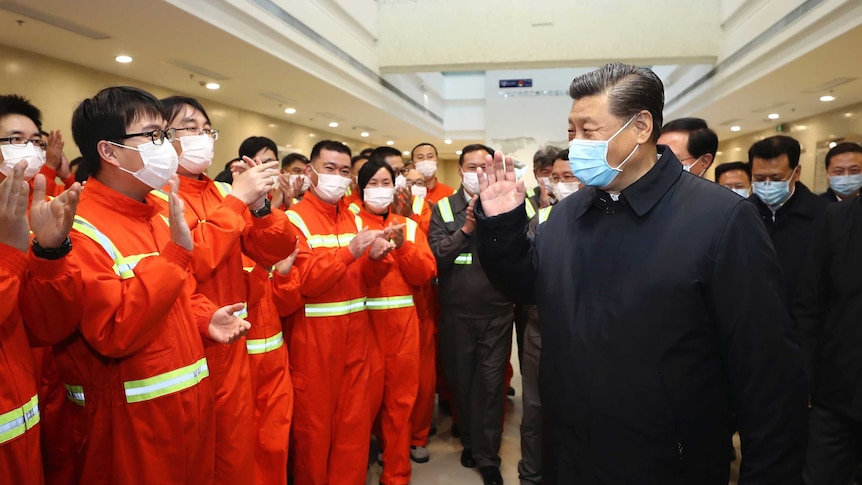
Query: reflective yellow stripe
x=334 y=309
x=418 y=204
x=297 y=221
x=531 y=211
x=545 y=213
x=75 y=394
x=446 y=210
x=354 y=208
x=464 y=258
x=242 y=313
x=123 y=266
x=160 y=194
x=389 y=302
x=167 y=383
x=20 y=420
x=412 y=226
x=223 y=188
x=532 y=192
x=264 y=345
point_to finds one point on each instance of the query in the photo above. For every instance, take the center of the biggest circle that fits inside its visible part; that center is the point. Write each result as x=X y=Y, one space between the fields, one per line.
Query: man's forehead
x=15 y=124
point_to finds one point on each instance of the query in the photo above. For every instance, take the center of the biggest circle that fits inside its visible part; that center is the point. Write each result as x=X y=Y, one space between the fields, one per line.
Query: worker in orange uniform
x=270 y=377
x=20 y=278
x=424 y=156
x=227 y=221
x=329 y=341
x=137 y=357
x=393 y=316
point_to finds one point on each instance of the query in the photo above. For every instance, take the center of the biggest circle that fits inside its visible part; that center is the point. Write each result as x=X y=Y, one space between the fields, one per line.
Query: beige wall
x=56 y=88
x=814 y=134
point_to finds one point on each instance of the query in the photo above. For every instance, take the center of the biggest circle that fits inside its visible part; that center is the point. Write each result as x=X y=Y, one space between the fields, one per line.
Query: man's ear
x=644 y=124
x=108 y=153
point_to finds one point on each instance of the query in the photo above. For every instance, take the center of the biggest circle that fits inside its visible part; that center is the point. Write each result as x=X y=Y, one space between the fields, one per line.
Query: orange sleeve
x=122 y=316
x=216 y=237
x=285 y=293
x=13 y=264
x=268 y=239
x=416 y=261
x=70 y=181
x=321 y=268
x=51 y=187
x=202 y=309
x=51 y=300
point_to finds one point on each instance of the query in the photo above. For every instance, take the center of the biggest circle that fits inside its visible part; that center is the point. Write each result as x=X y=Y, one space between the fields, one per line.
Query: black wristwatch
x=263 y=211
x=52 y=253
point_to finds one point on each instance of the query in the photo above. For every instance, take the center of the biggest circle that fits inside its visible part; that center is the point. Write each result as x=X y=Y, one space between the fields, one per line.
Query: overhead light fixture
x=390 y=142
x=735 y=128
x=406 y=153
x=333 y=124
x=827 y=98
x=290 y=111
x=833 y=144
x=123 y=59
x=773 y=116
x=213 y=86
x=364 y=134
x=737 y=149
x=312 y=135
x=447 y=141
x=458 y=152
x=718 y=153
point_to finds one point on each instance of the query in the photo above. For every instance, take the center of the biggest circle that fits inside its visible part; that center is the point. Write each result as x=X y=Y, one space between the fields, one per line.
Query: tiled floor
x=445 y=468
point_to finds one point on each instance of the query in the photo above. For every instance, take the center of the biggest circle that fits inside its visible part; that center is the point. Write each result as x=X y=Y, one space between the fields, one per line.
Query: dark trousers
x=474 y=351
x=530 y=466
x=834 y=446
x=522 y=317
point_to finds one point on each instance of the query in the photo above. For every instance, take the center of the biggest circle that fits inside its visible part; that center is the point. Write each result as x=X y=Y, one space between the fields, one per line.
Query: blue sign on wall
x=516 y=83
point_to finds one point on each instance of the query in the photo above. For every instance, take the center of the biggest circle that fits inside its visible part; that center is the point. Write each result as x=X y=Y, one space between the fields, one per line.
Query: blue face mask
x=773 y=194
x=846 y=184
x=742 y=192
x=588 y=160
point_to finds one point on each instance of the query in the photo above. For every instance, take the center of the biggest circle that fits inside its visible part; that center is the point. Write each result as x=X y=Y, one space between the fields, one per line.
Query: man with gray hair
x=643 y=361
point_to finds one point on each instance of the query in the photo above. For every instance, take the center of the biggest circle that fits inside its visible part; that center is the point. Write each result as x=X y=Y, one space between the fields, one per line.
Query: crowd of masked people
x=160 y=326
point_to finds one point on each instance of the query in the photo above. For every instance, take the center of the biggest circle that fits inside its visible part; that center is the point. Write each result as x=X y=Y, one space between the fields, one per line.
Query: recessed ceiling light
x=363 y=134
x=718 y=153
x=213 y=85
x=458 y=152
x=833 y=144
x=737 y=149
x=123 y=59
x=406 y=153
x=848 y=115
x=312 y=135
x=290 y=111
x=800 y=127
x=773 y=116
x=827 y=98
x=333 y=124
x=390 y=142
x=447 y=141
x=272 y=125
x=735 y=128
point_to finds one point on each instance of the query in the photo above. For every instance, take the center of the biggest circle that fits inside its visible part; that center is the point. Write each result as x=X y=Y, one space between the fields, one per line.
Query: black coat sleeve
x=507 y=254
x=761 y=354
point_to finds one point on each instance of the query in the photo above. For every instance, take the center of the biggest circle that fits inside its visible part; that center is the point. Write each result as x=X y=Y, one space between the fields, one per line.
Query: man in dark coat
x=649 y=347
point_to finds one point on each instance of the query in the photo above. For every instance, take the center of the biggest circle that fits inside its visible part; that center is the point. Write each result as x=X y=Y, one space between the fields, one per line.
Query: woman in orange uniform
x=393 y=317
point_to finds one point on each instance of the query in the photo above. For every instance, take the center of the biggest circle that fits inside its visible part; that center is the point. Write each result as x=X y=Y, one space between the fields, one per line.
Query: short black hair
x=474 y=148
x=13 y=104
x=730 y=166
x=81 y=174
x=563 y=155
x=253 y=144
x=331 y=145
x=843 y=147
x=423 y=144
x=293 y=157
x=544 y=157
x=174 y=105
x=774 y=147
x=382 y=153
x=357 y=158
x=106 y=116
x=368 y=170
x=224 y=176
x=701 y=139
x=366 y=152
x=630 y=89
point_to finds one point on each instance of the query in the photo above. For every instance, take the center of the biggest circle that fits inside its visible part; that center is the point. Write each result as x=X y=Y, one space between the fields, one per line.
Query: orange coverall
x=223 y=229
x=137 y=364
x=270 y=379
x=329 y=347
x=395 y=325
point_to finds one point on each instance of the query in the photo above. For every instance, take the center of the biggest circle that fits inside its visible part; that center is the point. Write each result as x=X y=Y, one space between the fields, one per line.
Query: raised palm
x=51 y=220
x=499 y=190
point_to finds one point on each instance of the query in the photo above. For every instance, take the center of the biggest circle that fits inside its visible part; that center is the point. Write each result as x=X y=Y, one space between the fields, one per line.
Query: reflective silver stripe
x=263 y=345
x=545 y=213
x=242 y=313
x=167 y=383
x=390 y=302
x=531 y=211
x=334 y=309
x=418 y=204
x=446 y=210
x=412 y=226
x=18 y=421
x=75 y=394
x=464 y=258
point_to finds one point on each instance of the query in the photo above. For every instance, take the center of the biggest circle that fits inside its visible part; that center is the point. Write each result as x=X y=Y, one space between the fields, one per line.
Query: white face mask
x=378 y=199
x=418 y=191
x=12 y=154
x=197 y=153
x=305 y=182
x=427 y=168
x=331 y=187
x=400 y=181
x=160 y=162
x=471 y=182
x=565 y=189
